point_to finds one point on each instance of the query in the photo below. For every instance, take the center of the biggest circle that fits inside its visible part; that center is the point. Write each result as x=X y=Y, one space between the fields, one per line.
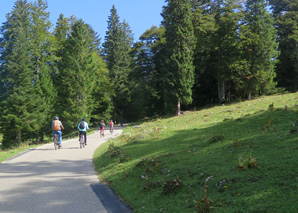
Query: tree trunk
x=178 y=108
x=221 y=90
x=18 y=138
x=249 y=95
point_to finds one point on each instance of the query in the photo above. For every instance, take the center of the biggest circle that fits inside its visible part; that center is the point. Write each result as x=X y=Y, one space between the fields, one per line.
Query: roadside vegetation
x=6 y=153
x=239 y=157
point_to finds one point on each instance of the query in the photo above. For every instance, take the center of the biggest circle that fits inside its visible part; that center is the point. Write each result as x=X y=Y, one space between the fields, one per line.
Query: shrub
x=216 y=138
x=172 y=186
x=247 y=162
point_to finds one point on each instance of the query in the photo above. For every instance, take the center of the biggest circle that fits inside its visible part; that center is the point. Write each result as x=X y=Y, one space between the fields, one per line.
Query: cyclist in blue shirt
x=83 y=127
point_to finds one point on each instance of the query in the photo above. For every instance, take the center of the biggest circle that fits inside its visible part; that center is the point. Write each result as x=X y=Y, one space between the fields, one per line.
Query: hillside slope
x=231 y=158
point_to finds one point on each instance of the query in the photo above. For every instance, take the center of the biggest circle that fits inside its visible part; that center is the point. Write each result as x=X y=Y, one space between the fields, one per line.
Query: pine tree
x=42 y=53
x=286 y=21
x=224 y=49
x=117 y=53
x=147 y=76
x=205 y=29
x=78 y=74
x=102 y=94
x=180 y=45
x=259 y=49
x=17 y=89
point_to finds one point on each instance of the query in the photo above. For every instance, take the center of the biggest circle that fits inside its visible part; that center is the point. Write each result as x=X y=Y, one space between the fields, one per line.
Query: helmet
x=111 y=120
x=83 y=119
x=56 y=118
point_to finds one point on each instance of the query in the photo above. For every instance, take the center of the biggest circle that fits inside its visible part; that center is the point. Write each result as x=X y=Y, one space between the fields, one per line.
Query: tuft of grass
x=170 y=163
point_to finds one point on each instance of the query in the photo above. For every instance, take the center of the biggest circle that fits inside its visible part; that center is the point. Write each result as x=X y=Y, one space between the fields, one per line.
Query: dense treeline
x=204 y=51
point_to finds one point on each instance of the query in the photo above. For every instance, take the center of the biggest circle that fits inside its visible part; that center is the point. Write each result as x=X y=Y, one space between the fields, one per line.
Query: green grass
x=145 y=164
x=8 y=153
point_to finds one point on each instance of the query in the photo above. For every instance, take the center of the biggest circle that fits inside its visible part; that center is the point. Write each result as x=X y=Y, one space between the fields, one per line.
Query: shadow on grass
x=193 y=156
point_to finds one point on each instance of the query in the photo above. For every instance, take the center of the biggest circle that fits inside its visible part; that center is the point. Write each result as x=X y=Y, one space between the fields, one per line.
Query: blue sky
x=139 y=14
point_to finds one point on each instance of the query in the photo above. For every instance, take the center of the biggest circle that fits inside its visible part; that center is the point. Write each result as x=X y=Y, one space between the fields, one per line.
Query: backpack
x=56 y=125
x=82 y=125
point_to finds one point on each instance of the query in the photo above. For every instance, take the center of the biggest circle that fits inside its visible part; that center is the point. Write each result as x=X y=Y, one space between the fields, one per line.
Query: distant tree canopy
x=203 y=52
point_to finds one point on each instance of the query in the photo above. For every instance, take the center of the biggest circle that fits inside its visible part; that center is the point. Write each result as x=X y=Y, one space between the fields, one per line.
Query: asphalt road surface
x=47 y=180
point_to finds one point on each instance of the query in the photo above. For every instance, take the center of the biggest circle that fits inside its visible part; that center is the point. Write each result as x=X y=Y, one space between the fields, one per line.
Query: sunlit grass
x=206 y=145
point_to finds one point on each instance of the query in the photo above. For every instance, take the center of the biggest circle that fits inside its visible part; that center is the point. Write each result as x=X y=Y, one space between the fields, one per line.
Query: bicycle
x=111 y=129
x=101 y=133
x=82 y=141
x=56 y=141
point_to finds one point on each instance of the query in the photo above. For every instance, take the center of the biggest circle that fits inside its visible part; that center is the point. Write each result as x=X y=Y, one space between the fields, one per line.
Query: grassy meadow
x=239 y=157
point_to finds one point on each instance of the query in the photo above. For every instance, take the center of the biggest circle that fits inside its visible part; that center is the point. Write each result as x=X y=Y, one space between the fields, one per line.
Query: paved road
x=47 y=180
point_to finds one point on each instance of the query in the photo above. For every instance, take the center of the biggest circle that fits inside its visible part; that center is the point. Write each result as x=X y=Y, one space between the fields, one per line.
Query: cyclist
x=83 y=127
x=111 y=126
x=102 y=127
x=57 y=127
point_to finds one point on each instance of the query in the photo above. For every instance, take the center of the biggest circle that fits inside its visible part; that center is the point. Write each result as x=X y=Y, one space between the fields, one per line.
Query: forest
x=204 y=52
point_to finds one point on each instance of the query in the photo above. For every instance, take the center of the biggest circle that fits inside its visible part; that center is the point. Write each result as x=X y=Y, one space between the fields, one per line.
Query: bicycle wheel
x=56 y=142
x=81 y=141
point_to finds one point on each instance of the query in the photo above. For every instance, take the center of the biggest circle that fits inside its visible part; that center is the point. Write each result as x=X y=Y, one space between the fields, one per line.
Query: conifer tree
x=180 y=44
x=258 y=37
x=117 y=53
x=17 y=90
x=148 y=75
x=102 y=94
x=286 y=21
x=78 y=75
x=42 y=52
x=205 y=28
x=224 y=43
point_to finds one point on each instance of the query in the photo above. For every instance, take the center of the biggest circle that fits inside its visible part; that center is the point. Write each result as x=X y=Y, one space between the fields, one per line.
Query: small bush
x=148 y=186
x=113 y=150
x=247 y=162
x=123 y=158
x=172 y=186
x=216 y=138
x=237 y=142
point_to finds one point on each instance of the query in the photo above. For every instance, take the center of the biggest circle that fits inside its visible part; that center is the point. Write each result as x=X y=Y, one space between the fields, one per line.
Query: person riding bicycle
x=102 y=127
x=83 y=127
x=111 y=126
x=57 y=127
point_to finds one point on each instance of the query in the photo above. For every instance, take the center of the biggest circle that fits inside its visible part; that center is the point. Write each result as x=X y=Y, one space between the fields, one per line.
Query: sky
x=139 y=14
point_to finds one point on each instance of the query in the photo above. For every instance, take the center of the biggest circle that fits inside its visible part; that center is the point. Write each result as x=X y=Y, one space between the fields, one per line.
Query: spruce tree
x=180 y=45
x=17 y=89
x=117 y=53
x=258 y=39
x=78 y=74
x=205 y=27
x=286 y=21
x=42 y=54
x=148 y=75
x=224 y=46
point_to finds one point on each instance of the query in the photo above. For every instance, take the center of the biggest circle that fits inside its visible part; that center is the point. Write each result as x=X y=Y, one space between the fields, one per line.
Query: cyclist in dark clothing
x=83 y=127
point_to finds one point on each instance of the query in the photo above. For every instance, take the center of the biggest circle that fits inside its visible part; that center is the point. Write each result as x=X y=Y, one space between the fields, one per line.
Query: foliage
x=18 y=95
x=216 y=138
x=178 y=73
x=116 y=52
x=78 y=75
x=259 y=50
x=247 y=162
x=286 y=21
x=148 y=92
